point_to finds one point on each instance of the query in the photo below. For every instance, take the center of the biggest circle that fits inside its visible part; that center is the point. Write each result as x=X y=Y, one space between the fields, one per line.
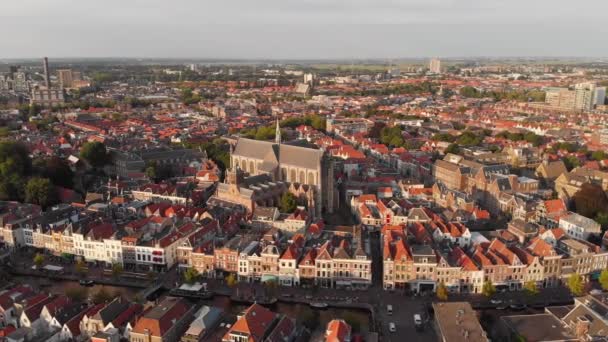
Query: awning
x=268 y=277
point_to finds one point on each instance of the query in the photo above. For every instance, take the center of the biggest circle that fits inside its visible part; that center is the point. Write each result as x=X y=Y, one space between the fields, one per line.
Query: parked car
x=389 y=309
x=391 y=327
x=495 y=301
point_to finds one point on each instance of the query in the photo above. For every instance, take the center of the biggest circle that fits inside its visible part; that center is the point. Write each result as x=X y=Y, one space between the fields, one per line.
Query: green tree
x=531 y=288
x=117 y=270
x=590 y=200
x=151 y=172
x=599 y=155
x=602 y=219
x=77 y=293
x=102 y=296
x=571 y=162
x=442 y=292
x=353 y=321
x=488 y=289
x=311 y=319
x=38 y=260
x=40 y=191
x=288 y=203
x=576 y=284
x=94 y=153
x=80 y=267
x=191 y=275
x=604 y=279
x=453 y=148
x=231 y=280
x=55 y=169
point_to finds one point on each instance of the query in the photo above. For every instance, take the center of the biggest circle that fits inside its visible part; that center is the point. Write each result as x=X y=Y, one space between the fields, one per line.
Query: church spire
x=277 y=133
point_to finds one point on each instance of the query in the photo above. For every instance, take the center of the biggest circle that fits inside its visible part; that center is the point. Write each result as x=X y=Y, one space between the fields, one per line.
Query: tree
x=80 y=267
x=530 y=287
x=191 y=275
x=231 y=280
x=604 y=279
x=77 y=293
x=94 y=153
x=599 y=155
x=571 y=162
x=102 y=296
x=271 y=287
x=288 y=203
x=40 y=191
x=117 y=269
x=453 y=148
x=442 y=292
x=576 y=284
x=311 y=319
x=151 y=172
x=488 y=289
x=38 y=260
x=353 y=321
x=590 y=200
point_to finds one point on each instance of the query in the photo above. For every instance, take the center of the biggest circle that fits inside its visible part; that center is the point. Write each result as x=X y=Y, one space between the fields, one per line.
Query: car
x=418 y=322
x=495 y=301
x=596 y=292
x=502 y=307
x=391 y=327
x=389 y=309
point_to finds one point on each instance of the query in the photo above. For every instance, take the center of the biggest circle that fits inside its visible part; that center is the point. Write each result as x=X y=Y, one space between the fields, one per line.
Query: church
x=274 y=167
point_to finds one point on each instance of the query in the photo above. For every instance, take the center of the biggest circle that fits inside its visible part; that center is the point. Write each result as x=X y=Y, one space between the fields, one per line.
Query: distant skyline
x=304 y=29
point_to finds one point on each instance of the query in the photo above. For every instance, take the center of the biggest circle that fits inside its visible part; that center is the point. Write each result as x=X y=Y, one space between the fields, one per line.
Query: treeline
x=467 y=138
x=397 y=89
x=516 y=95
x=24 y=180
x=530 y=137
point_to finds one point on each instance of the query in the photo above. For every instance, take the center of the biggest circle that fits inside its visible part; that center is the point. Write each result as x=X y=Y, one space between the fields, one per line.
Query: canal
x=316 y=319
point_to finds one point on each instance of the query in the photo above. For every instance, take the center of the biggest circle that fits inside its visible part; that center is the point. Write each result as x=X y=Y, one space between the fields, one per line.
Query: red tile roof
x=254 y=323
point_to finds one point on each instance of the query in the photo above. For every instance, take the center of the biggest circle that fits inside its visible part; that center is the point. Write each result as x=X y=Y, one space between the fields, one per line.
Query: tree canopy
x=40 y=191
x=191 y=275
x=488 y=289
x=590 y=200
x=288 y=203
x=576 y=284
x=94 y=153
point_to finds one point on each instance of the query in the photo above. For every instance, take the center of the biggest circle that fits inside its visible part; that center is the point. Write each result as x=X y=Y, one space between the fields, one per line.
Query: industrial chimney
x=47 y=77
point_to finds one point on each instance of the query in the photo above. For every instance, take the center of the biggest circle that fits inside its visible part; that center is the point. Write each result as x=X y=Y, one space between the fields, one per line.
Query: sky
x=303 y=29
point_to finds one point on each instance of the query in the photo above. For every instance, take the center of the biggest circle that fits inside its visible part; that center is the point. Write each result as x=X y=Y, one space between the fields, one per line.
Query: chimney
x=582 y=327
x=47 y=79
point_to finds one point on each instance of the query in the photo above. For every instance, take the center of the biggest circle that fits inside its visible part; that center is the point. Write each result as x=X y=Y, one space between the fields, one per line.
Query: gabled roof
x=338 y=331
x=159 y=319
x=254 y=323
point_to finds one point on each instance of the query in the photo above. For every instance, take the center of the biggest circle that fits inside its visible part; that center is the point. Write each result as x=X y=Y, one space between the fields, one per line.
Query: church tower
x=277 y=133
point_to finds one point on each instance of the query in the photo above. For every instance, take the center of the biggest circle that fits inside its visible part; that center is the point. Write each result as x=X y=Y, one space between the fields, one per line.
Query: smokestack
x=47 y=79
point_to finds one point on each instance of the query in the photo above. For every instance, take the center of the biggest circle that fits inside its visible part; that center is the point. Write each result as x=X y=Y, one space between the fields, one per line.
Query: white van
x=389 y=309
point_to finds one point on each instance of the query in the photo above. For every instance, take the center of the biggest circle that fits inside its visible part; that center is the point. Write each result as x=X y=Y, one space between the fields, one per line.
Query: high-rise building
x=584 y=97
x=600 y=96
x=66 y=78
x=435 y=66
x=47 y=97
x=561 y=98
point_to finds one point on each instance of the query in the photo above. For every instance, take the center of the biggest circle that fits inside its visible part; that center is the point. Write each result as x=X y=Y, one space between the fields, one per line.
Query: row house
x=455 y=232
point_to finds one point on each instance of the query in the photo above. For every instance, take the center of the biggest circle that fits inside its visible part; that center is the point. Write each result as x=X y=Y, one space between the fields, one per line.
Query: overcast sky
x=302 y=29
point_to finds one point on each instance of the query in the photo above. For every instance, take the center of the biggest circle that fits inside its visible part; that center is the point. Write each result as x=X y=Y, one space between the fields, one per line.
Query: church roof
x=272 y=154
